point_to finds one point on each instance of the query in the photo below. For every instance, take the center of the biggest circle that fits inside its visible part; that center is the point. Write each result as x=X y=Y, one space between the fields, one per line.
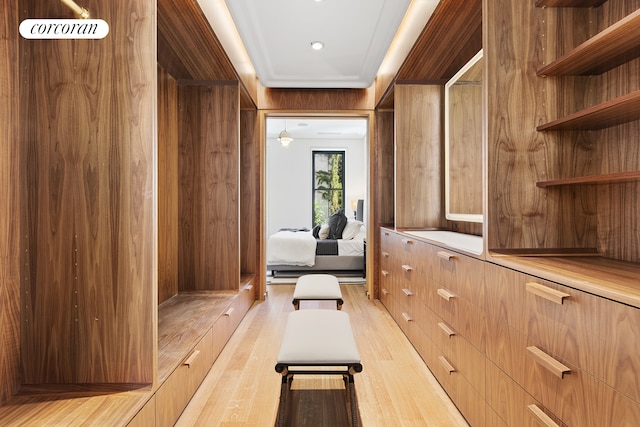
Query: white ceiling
x=277 y=35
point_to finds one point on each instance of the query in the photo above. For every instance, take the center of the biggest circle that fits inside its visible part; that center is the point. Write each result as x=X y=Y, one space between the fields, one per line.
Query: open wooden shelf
x=608 y=178
x=606 y=50
x=611 y=113
x=569 y=3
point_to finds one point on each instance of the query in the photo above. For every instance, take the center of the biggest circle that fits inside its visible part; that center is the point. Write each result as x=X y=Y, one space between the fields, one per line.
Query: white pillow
x=351 y=230
x=324 y=231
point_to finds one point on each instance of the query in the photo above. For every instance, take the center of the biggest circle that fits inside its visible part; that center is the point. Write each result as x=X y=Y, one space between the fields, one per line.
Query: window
x=328 y=184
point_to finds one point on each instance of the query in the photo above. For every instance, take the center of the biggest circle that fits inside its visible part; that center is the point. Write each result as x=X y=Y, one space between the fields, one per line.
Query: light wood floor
x=395 y=387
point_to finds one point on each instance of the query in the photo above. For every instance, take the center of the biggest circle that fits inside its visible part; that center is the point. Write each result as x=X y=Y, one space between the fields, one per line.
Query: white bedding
x=292 y=248
x=353 y=247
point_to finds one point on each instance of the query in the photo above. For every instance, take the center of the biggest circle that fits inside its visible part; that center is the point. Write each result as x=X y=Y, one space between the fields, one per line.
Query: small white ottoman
x=317 y=287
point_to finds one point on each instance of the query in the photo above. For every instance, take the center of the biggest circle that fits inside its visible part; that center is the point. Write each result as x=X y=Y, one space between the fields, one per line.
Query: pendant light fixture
x=285 y=137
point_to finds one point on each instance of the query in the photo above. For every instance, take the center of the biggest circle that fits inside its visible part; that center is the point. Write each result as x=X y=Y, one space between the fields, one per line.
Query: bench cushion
x=317 y=287
x=318 y=337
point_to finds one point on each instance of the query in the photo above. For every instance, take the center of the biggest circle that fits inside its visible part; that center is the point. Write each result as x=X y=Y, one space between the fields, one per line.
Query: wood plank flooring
x=394 y=389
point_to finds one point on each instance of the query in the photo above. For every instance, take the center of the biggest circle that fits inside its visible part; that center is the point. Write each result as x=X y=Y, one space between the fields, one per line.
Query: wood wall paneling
x=250 y=199
x=383 y=174
x=316 y=99
x=382 y=186
x=87 y=153
x=10 y=220
x=167 y=186
x=209 y=117
x=191 y=43
x=519 y=215
x=465 y=148
x=452 y=36
x=419 y=159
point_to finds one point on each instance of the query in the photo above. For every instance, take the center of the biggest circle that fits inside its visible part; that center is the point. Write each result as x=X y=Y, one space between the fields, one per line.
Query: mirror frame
x=452 y=216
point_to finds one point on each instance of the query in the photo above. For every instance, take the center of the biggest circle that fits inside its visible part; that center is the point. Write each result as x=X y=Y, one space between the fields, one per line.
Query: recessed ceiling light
x=317 y=45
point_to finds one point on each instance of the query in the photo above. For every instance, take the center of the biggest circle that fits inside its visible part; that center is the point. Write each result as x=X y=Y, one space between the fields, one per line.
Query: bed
x=293 y=251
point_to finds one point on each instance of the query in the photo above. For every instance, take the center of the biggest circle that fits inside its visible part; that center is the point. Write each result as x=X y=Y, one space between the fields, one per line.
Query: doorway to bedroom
x=316 y=169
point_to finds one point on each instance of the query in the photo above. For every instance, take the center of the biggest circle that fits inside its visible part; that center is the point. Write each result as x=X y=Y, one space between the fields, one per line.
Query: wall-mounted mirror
x=463 y=143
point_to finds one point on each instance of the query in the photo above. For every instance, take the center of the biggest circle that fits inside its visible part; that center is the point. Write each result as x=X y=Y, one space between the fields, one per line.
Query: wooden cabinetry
x=434 y=294
x=566 y=165
x=511 y=348
x=553 y=342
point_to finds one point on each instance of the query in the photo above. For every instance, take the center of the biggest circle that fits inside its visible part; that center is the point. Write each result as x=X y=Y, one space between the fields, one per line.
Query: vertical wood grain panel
x=88 y=145
x=465 y=149
x=249 y=192
x=381 y=179
x=618 y=150
x=382 y=176
x=519 y=214
x=10 y=224
x=209 y=118
x=167 y=186
x=419 y=158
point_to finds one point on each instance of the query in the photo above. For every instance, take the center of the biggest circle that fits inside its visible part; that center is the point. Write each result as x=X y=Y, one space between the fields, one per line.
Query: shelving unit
x=608 y=49
x=569 y=3
x=609 y=178
x=611 y=113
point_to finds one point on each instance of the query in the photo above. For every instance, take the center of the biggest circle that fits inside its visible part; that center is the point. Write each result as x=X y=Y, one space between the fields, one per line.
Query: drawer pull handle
x=547 y=293
x=407 y=241
x=228 y=312
x=386 y=233
x=446 y=329
x=248 y=287
x=446 y=294
x=544 y=419
x=385 y=292
x=407 y=292
x=407 y=317
x=446 y=255
x=445 y=363
x=548 y=362
x=385 y=273
x=385 y=254
x=407 y=267
x=192 y=357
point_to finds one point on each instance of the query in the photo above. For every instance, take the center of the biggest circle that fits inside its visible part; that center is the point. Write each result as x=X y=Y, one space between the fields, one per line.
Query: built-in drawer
x=465 y=395
x=565 y=322
x=505 y=295
x=147 y=415
x=512 y=404
x=226 y=324
x=620 y=342
x=467 y=359
x=462 y=274
x=408 y=250
x=573 y=395
x=174 y=394
x=466 y=318
x=386 y=287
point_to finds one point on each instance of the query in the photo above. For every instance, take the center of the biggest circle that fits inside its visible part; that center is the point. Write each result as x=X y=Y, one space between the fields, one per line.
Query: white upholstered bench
x=317 y=287
x=313 y=341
